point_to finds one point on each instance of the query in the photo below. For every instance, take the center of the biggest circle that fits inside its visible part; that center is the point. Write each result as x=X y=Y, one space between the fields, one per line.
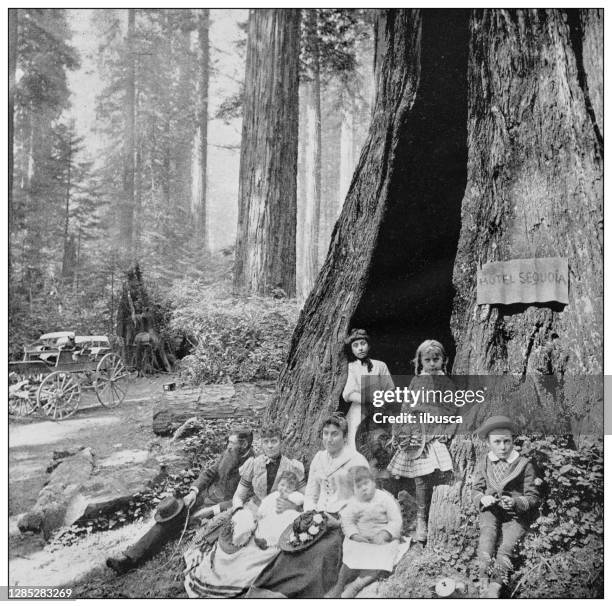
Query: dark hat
x=289 y=539
x=355 y=335
x=495 y=422
x=168 y=508
x=243 y=432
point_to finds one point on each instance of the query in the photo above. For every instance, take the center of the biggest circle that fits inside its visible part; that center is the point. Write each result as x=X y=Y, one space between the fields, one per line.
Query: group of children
x=505 y=486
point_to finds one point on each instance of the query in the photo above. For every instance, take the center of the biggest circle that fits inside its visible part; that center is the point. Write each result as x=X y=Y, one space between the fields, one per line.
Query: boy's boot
x=420 y=535
x=121 y=565
x=423 y=489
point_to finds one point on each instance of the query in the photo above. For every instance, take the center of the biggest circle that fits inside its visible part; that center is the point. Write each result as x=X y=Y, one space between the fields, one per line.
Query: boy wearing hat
x=212 y=490
x=505 y=491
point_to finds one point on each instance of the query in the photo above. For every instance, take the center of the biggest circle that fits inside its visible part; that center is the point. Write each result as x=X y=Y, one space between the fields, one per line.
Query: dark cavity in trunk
x=409 y=293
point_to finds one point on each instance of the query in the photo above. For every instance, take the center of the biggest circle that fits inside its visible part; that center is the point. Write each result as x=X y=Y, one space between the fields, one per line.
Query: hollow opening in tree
x=409 y=293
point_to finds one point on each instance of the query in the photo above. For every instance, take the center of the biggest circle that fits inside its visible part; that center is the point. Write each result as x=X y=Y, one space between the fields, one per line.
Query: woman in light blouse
x=310 y=573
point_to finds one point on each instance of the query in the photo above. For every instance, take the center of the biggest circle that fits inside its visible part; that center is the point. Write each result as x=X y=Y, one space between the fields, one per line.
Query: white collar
x=510 y=459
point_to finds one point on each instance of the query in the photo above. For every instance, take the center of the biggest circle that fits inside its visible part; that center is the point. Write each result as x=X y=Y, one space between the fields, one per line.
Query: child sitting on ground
x=371 y=517
x=506 y=493
x=272 y=523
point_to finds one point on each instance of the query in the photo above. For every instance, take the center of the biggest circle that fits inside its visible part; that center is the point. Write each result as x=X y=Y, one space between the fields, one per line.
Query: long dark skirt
x=306 y=574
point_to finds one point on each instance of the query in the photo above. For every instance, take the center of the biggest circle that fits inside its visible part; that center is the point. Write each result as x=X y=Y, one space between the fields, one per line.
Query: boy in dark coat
x=506 y=493
x=213 y=489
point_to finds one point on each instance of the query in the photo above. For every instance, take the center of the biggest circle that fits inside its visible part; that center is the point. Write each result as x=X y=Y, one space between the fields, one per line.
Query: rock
x=191 y=426
x=30 y=522
x=173 y=462
x=125 y=457
x=53 y=500
x=59 y=456
x=111 y=488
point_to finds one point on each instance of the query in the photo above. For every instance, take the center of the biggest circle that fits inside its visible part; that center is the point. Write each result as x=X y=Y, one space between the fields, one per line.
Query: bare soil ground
x=82 y=564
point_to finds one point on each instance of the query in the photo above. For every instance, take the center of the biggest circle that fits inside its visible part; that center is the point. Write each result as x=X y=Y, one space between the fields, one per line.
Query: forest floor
x=81 y=565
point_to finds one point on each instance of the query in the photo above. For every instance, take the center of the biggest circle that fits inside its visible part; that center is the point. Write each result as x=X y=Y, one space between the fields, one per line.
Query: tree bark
x=265 y=242
x=311 y=383
x=347 y=138
x=204 y=75
x=126 y=227
x=534 y=190
x=313 y=157
x=330 y=163
x=301 y=254
x=312 y=207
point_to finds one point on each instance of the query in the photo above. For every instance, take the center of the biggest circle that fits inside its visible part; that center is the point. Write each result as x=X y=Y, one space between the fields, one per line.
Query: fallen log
x=216 y=401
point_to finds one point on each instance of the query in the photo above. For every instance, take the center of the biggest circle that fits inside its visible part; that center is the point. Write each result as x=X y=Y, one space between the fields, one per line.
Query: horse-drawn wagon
x=58 y=368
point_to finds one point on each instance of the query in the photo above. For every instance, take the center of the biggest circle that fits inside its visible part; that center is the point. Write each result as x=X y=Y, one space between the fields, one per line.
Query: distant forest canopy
x=125 y=140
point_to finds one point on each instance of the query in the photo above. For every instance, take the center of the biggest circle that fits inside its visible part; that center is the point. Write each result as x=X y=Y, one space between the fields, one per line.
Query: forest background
x=126 y=132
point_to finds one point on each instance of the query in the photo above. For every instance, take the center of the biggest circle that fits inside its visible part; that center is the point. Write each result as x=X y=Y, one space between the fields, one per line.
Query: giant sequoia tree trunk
x=534 y=190
x=265 y=242
x=312 y=381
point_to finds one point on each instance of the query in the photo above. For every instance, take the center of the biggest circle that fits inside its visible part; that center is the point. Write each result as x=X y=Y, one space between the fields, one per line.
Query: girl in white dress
x=364 y=375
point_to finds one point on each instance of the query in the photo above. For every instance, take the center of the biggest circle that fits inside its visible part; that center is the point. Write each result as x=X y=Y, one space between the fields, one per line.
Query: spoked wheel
x=22 y=396
x=112 y=380
x=59 y=395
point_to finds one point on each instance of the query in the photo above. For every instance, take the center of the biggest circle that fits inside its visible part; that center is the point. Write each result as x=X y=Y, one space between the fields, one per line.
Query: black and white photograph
x=304 y=303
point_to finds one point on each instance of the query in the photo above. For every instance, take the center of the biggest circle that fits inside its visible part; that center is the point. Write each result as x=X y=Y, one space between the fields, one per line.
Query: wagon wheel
x=59 y=394
x=111 y=380
x=22 y=396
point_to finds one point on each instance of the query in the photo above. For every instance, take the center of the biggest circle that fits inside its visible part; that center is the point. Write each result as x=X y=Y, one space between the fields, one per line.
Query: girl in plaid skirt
x=419 y=454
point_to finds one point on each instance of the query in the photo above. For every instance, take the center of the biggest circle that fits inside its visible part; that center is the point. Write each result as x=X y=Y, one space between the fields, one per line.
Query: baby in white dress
x=272 y=523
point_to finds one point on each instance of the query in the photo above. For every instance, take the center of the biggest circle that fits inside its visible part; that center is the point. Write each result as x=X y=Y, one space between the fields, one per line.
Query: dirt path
x=32 y=441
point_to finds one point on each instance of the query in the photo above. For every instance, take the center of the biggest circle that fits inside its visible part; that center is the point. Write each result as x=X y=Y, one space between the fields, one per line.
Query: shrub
x=240 y=339
x=564 y=549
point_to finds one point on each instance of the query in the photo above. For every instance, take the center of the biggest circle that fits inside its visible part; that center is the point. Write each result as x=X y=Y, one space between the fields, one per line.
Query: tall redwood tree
x=265 y=242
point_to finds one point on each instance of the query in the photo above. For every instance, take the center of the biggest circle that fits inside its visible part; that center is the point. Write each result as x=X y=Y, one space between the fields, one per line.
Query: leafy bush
x=240 y=339
x=564 y=549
